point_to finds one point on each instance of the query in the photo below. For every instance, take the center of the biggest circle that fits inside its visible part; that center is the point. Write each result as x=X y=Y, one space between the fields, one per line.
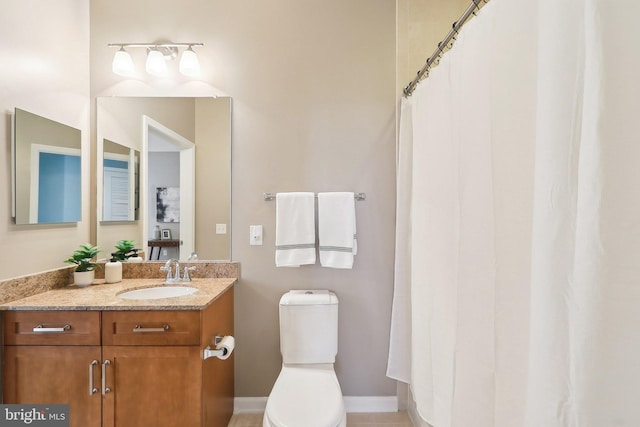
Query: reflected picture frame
x=165 y=234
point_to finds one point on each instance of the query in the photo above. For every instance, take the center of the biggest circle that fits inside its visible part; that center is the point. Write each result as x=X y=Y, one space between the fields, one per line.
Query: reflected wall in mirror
x=120 y=182
x=184 y=144
x=47 y=167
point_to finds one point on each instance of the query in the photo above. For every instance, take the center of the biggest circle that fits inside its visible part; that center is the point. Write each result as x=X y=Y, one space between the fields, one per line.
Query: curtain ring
x=477 y=7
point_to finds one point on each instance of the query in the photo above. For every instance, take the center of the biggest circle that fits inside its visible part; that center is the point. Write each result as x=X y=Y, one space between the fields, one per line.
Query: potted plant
x=124 y=250
x=83 y=257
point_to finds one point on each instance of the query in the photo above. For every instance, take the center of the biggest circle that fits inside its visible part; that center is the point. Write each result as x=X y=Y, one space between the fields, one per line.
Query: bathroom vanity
x=120 y=362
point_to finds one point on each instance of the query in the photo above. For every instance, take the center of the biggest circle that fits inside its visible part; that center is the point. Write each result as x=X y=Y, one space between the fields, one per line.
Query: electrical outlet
x=221 y=228
x=164 y=252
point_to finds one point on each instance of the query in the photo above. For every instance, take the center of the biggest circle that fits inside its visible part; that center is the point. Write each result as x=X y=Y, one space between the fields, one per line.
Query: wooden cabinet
x=55 y=374
x=122 y=368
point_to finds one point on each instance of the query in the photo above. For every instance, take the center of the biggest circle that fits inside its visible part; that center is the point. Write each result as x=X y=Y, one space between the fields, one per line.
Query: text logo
x=34 y=415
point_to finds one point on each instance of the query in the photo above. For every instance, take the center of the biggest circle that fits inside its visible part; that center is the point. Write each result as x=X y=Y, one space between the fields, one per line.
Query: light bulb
x=156 y=64
x=189 y=64
x=122 y=63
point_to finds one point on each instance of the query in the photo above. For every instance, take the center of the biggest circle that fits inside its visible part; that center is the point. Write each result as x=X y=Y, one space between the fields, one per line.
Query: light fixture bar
x=154 y=45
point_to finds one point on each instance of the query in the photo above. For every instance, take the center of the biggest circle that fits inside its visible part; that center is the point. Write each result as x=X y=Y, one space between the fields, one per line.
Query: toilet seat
x=306 y=396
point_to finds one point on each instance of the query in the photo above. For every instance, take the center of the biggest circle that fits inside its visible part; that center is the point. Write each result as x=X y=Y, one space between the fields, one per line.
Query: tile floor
x=392 y=419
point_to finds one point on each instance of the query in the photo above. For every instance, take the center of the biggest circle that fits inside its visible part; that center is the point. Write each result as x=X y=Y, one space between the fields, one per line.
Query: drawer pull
x=41 y=329
x=139 y=328
x=92 y=389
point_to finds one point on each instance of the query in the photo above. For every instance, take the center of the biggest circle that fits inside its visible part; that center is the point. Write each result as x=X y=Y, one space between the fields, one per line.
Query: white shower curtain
x=522 y=278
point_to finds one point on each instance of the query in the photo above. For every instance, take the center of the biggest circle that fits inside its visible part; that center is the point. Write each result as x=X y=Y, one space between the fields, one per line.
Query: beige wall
x=313 y=88
x=44 y=58
x=421 y=25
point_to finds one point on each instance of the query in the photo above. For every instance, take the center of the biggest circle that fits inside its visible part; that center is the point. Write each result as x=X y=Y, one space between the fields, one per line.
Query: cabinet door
x=55 y=375
x=152 y=386
x=217 y=387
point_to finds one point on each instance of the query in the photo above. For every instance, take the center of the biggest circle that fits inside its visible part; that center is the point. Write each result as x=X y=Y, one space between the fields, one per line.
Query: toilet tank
x=309 y=326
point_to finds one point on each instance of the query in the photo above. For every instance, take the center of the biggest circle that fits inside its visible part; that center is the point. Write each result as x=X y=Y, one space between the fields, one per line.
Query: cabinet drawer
x=151 y=328
x=52 y=328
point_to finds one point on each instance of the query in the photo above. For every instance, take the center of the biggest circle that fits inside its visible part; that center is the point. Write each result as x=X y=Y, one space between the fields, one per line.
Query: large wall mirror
x=47 y=170
x=173 y=196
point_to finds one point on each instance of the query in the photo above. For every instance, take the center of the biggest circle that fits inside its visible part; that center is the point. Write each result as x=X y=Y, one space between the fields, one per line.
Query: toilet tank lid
x=309 y=297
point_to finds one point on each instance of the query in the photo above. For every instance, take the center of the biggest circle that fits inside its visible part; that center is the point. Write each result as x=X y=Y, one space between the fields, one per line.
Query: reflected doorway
x=169 y=189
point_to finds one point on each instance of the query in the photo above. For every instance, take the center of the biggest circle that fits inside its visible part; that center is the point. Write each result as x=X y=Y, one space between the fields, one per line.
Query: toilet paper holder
x=219 y=352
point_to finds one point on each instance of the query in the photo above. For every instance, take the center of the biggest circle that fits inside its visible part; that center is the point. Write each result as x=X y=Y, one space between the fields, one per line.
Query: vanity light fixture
x=189 y=64
x=122 y=63
x=156 y=65
x=158 y=54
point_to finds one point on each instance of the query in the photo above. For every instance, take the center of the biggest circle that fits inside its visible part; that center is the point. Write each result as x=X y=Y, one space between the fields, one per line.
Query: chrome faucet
x=175 y=278
x=185 y=276
x=167 y=268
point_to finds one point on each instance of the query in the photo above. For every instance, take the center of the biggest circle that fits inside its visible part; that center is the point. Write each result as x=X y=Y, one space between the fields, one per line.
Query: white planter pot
x=83 y=278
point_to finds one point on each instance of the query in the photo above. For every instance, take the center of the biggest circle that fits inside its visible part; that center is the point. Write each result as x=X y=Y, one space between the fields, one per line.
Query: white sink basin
x=157 y=292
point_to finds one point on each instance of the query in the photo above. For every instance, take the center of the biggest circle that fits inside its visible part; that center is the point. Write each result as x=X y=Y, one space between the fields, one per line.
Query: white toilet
x=307 y=392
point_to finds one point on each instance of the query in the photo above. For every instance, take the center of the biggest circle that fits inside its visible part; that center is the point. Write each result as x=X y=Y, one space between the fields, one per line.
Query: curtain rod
x=446 y=43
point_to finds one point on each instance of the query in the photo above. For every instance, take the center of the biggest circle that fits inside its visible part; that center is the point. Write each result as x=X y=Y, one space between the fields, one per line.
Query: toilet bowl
x=306 y=396
x=307 y=392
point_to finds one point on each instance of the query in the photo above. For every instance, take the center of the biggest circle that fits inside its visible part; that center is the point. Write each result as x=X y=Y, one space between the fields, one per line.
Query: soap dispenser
x=113 y=271
x=135 y=257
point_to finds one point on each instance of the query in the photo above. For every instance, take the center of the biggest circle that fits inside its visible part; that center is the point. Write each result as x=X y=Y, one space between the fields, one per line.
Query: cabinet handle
x=139 y=328
x=105 y=389
x=92 y=389
x=41 y=329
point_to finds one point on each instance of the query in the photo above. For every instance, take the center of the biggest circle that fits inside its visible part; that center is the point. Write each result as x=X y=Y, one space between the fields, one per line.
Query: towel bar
x=272 y=196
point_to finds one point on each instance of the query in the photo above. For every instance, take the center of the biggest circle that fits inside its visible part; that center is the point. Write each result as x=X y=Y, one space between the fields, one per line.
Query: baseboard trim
x=371 y=403
x=249 y=405
x=256 y=405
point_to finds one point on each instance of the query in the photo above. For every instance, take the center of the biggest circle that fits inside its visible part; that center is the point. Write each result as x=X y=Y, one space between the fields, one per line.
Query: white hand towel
x=295 y=229
x=337 y=229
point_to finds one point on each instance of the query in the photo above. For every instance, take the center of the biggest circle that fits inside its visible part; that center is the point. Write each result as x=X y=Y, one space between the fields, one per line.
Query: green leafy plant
x=124 y=250
x=83 y=257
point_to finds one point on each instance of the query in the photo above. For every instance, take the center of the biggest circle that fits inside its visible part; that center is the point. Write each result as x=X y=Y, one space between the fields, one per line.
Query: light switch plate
x=255 y=235
x=221 y=228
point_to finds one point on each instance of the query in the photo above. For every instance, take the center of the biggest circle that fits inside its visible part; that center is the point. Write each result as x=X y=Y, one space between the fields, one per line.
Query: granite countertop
x=102 y=296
